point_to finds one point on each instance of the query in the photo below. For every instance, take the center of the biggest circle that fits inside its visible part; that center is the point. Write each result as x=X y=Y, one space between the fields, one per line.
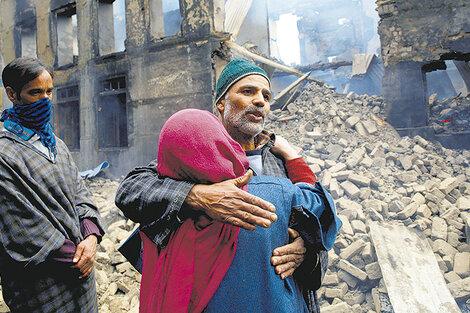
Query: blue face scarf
x=35 y=116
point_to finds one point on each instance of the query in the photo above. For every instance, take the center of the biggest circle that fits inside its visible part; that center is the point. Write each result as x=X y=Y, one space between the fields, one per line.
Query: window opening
x=67 y=42
x=171 y=17
x=28 y=39
x=67 y=116
x=112 y=26
x=112 y=113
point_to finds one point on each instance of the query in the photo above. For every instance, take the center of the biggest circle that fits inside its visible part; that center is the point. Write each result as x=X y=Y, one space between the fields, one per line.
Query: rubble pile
x=376 y=175
x=450 y=115
x=117 y=282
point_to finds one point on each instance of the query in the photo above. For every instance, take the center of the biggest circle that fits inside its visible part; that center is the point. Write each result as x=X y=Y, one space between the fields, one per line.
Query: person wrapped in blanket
x=209 y=266
x=49 y=224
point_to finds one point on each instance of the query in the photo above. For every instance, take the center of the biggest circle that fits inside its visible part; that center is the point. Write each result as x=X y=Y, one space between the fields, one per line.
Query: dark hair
x=21 y=71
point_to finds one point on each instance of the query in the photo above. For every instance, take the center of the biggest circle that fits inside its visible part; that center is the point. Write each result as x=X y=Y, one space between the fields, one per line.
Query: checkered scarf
x=35 y=116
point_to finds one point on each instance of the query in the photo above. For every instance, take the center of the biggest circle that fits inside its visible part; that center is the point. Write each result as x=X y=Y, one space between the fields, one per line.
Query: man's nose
x=259 y=99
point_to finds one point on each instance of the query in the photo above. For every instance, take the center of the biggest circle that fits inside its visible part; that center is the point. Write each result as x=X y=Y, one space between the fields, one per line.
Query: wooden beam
x=289 y=88
x=235 y=13
x=281 y=67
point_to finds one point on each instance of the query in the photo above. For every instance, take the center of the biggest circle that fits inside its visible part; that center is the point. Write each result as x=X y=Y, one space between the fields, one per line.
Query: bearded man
x=160 y=205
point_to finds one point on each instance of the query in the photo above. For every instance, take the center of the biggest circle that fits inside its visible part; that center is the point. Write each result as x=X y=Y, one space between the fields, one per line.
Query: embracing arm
x=146 y=198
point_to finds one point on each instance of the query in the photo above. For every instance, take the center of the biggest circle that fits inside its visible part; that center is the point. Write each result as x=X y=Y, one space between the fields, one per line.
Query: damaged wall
x=417 y=37
x=145 y=84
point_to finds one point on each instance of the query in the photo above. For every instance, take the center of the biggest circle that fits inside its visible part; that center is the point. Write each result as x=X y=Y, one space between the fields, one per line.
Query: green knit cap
x=233 y=72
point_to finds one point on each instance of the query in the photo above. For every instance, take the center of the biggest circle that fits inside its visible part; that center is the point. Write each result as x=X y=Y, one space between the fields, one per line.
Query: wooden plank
x=288 y=88
x=290 y=70
x=235 y=13
x=410 y=271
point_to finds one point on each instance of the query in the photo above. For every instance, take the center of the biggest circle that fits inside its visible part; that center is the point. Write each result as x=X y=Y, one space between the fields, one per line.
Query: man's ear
x=221 y=105
x=11 y=94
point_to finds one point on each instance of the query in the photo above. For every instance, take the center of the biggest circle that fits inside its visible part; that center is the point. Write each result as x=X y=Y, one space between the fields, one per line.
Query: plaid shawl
x=42 y=204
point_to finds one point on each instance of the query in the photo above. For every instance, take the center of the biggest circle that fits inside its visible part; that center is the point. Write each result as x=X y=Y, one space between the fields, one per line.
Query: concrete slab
x=410 y=271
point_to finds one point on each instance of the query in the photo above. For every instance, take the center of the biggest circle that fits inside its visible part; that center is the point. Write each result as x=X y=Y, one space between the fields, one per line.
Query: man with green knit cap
x=160 y=205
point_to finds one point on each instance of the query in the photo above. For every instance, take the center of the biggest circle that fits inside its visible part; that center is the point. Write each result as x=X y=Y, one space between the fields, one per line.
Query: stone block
x=330 y=279
x=347 y=278
x=440 y=262
x=443 y=248
x=336 y=292
x=453 y=239
x=460 y=289
x=332 y=258
x=353 y=270
x=350 y=189
x=396 y=206
x=418 y=198
x=358 y=226
x=342 y=175
x=448 y=261
x=361 y=129
x=350 y=122
x=451 y=277
x=355 y=158
x=439 y=228
x=369 y=126
x=341 y=243
x=353 y=298
x=335 y=189
x=451 y=214
x=463 y=203
x=408 y=177
x=346 y=228
x=338 y=167
x=419 y=150
x=373 y=271
x=408 y=211
x=448 y=184
x=359 y=180
x=353 y=249
x=406 y=162
x=462 y=264
x=342 y=307
x=367 y=253
x=466 y=219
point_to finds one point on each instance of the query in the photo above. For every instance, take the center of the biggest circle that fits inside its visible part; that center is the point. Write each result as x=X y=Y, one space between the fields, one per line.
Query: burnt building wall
x=417 y=37
x=121 y=98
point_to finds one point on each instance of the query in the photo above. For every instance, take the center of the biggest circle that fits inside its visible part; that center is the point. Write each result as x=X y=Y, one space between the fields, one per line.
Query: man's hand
x=227 y=203
x=85 y=255
x=282 y=148
x=287 y=259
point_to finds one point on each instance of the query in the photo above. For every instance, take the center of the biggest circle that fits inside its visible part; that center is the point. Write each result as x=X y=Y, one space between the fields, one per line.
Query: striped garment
x=155 y=203
x=43 y=202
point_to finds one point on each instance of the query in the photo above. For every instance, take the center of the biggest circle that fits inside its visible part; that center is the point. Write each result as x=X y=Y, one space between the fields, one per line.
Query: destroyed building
x=417 y=37
x=121 y=68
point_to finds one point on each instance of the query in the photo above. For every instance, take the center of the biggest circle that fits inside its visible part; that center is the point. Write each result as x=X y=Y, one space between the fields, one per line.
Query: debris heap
x=450 y=115
x=376 y=175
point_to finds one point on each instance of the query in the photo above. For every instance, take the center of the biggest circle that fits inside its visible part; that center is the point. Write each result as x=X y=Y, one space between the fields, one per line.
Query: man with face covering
x=161 y=205
x=50 y=226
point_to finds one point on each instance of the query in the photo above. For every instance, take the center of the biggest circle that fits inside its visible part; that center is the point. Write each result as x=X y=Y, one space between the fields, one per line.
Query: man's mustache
x=256 y=110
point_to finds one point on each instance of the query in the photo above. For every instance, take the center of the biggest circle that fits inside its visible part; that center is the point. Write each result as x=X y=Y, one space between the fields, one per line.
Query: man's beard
x=239 y=121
